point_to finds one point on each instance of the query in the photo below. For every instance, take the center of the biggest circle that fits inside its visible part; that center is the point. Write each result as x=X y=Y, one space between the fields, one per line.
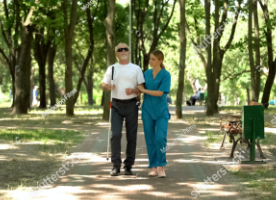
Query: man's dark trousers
x=129 y=111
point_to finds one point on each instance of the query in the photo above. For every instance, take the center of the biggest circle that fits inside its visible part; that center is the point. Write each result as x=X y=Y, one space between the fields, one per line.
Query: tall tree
x=69 y=35
x=11 y=37
x=213 y=67
x=43 y=40
x=182 y=37
x=154 y=33
x=41 y=48
x=270 y=62
x=90 y=21
x=218 y=52
x=22 y=78
x=109 y=24
x=51 y=58
x=257 y=52
x=209 y=72
x=192 y=82
x=255 y=75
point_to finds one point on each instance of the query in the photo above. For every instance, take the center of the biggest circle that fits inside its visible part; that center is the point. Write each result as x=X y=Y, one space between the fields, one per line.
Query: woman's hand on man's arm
x=136 y=91
x=156 y=93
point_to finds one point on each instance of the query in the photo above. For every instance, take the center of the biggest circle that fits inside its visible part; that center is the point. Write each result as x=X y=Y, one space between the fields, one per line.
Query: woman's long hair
x=160 y=56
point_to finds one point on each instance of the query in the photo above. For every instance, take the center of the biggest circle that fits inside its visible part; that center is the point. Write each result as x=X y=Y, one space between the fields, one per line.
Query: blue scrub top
x=156 y=107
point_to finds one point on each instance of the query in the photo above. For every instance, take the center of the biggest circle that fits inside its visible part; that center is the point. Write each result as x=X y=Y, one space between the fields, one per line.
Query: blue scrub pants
x=156 y=139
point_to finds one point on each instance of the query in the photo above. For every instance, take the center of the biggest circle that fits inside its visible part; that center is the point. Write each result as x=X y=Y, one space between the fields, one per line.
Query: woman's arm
x=156 y=93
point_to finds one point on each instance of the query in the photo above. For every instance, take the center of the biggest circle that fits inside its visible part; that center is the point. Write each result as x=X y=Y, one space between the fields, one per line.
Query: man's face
x=123 y=55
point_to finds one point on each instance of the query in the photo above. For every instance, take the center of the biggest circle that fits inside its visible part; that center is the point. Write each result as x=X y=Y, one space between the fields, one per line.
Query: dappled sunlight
x=6 y=146
x=89 y=170
x=124 y=187
x=270 y=130
x=210 y=129
x=103 y=124
x=188 y=138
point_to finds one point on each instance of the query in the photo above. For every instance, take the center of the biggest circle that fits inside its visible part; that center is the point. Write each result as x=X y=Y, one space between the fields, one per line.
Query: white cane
x=108 y=137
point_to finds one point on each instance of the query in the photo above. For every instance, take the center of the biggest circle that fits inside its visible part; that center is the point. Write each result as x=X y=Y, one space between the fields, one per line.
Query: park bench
x=232 y=126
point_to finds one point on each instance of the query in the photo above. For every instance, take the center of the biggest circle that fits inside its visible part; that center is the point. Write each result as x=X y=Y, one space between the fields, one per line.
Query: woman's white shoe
x=161 y=174
x=153 y=172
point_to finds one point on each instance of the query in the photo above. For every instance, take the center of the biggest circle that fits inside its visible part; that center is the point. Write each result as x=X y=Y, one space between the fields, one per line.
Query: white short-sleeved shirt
x=125 y=76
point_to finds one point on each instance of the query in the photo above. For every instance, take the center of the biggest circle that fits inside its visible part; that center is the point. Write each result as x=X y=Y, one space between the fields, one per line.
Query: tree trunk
x=102 y=101
x=109 y=24
x=182 y=37
x=257 y=51
x=32 y=84
x=210 y=101
x=69 y=34
x=248 y=95
x=192 y=82
x=217 y=81
x=146 y=62
x=216 y=61
x=250 y=51
x=22 y=78
x=51 y=58
x=89 y=90
x=271 y=63
x=90 y=84
x=40 y=53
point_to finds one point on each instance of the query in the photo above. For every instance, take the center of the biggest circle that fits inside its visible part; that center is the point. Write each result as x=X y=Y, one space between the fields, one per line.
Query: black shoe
x=128 y=171
x=115 y=171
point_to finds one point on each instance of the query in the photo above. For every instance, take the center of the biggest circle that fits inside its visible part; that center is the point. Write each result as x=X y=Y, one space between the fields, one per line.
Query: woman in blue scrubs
x=155 y=112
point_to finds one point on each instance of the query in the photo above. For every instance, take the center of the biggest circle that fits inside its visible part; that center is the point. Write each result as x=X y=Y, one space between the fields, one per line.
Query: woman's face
x=154 y=62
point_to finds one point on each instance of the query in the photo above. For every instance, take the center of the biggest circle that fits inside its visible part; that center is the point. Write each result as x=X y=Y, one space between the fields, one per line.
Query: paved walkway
x=189 y=163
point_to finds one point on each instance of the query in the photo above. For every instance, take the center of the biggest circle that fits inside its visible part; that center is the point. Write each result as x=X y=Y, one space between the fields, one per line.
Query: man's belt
x=124 y=100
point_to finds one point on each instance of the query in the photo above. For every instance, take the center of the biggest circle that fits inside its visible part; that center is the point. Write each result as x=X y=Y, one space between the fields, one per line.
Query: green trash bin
x=201 y=96
x=252 y=128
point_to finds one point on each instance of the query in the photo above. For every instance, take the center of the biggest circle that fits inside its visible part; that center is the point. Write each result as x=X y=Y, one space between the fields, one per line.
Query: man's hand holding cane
x=107 y=87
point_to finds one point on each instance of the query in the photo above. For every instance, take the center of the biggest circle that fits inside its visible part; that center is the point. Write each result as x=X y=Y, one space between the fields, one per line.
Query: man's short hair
x=116 y=48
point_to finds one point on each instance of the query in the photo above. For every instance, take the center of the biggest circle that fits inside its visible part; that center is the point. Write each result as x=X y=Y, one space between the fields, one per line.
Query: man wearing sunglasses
x=124 y=105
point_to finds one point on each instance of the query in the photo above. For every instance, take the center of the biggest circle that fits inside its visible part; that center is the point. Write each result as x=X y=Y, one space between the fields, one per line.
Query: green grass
x=212 y=137
x=257 y=185
x=33 y=155
x=54 y=140
x=230 y=108
x=270 y=142
x=270 y=110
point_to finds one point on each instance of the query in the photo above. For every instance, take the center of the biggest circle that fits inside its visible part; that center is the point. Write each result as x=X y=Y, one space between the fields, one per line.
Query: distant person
x=272 y=102
x=194 y=98
x=35 y=97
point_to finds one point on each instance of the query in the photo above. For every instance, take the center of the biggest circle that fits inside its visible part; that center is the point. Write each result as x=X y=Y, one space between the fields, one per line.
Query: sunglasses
x=121 y=49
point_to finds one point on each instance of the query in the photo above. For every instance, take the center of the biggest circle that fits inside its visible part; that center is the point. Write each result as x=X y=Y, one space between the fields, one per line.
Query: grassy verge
x=28 y=156
x=259 y=184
